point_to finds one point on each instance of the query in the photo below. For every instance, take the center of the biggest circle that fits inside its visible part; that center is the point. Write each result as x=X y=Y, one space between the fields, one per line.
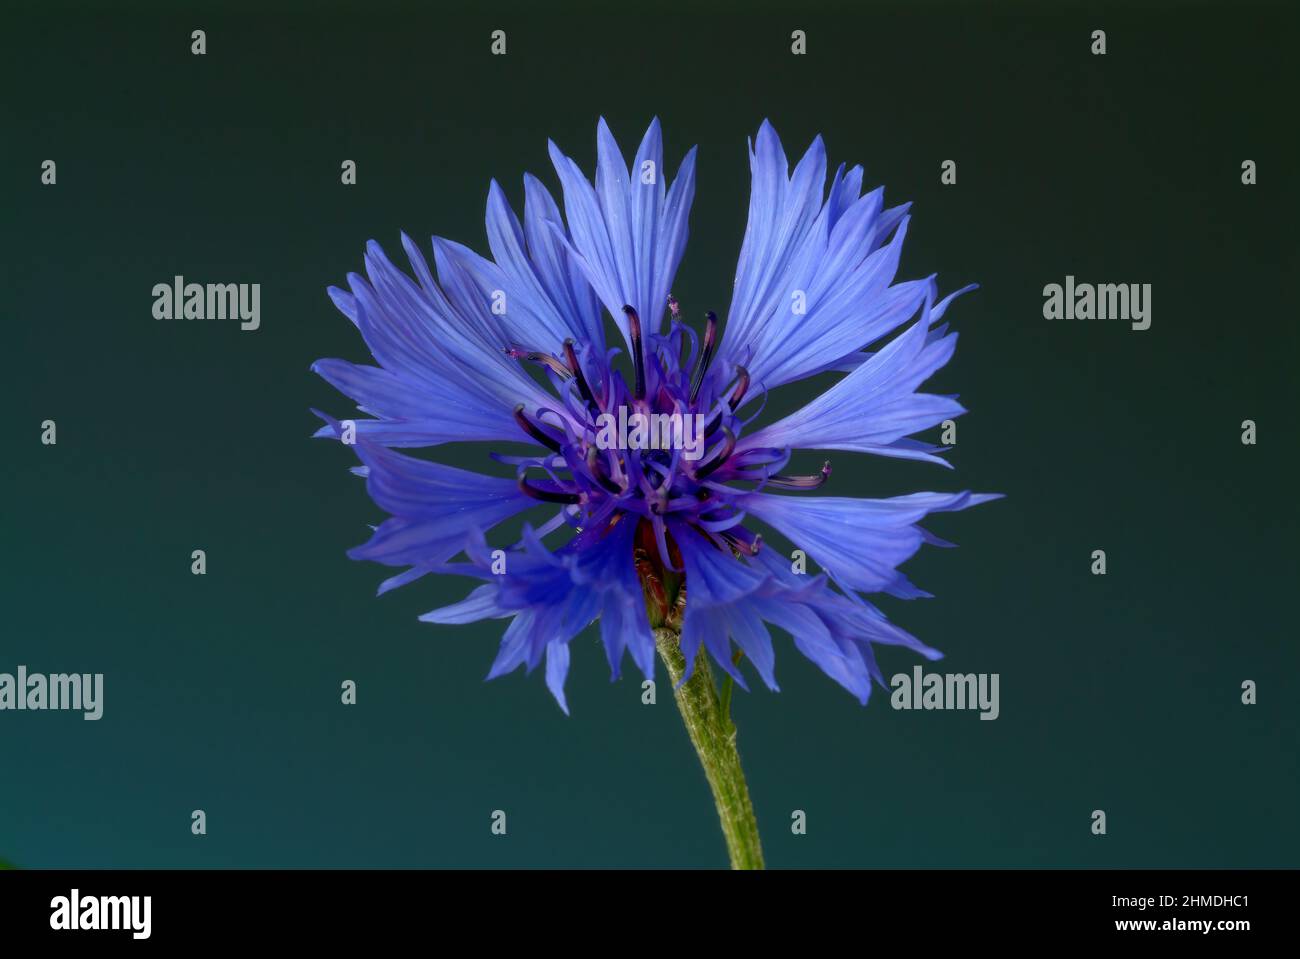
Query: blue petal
x=554 y=595
x=875 y=405
x=432 y=410
x=859 y=542
x=627 y=236
x=563 y=279
x=557 y=670
x=783 y=212
x=530 y=286
x=434 y=507
x=427 y=345
x=479 y=604
x=836 y=259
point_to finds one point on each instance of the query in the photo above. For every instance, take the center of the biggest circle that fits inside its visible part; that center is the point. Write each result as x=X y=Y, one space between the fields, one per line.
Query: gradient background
x=222 y=692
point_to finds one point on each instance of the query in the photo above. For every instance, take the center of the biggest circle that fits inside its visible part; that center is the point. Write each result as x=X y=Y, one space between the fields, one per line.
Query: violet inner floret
x=656 y=486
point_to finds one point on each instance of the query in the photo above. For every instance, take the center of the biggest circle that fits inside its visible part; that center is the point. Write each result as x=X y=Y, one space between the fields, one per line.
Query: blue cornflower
x=660 y=537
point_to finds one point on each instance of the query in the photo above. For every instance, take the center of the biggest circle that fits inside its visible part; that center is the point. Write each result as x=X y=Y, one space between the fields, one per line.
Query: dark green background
x=222 y=692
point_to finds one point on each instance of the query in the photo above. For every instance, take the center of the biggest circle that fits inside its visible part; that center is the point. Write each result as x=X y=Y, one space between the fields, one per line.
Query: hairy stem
x=714 y=737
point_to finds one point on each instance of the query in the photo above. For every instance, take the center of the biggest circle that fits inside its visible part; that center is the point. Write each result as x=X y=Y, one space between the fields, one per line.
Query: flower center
x=663 y=448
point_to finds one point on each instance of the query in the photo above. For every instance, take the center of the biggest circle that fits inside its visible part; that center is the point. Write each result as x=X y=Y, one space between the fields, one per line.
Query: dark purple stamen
x=660 y=485
x=547 y=496
x=742 y=385
x=535 y=431
x=749 y=547
x=571 y=356
x=597 y=470
x=706 y=354
x=638 y=349
x=801 y=482
x=533 y=356
x=724 y=454
x=737 y=394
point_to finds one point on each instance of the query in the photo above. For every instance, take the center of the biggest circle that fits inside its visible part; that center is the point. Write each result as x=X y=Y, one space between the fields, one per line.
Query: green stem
x=714 y=737
x=724 y=703
x=728 y=683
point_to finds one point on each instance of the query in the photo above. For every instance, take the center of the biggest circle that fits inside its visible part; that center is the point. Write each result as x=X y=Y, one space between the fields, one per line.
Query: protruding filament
x=638 y=349
x=740 y=540
x=742 y=384
x=724 y=454
x=571 y=357
x=801 y=482
x=533 y=356
x=737 y=394
x=547 y=496
x=597 y=469
x=535 y=431
x=706 y=353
